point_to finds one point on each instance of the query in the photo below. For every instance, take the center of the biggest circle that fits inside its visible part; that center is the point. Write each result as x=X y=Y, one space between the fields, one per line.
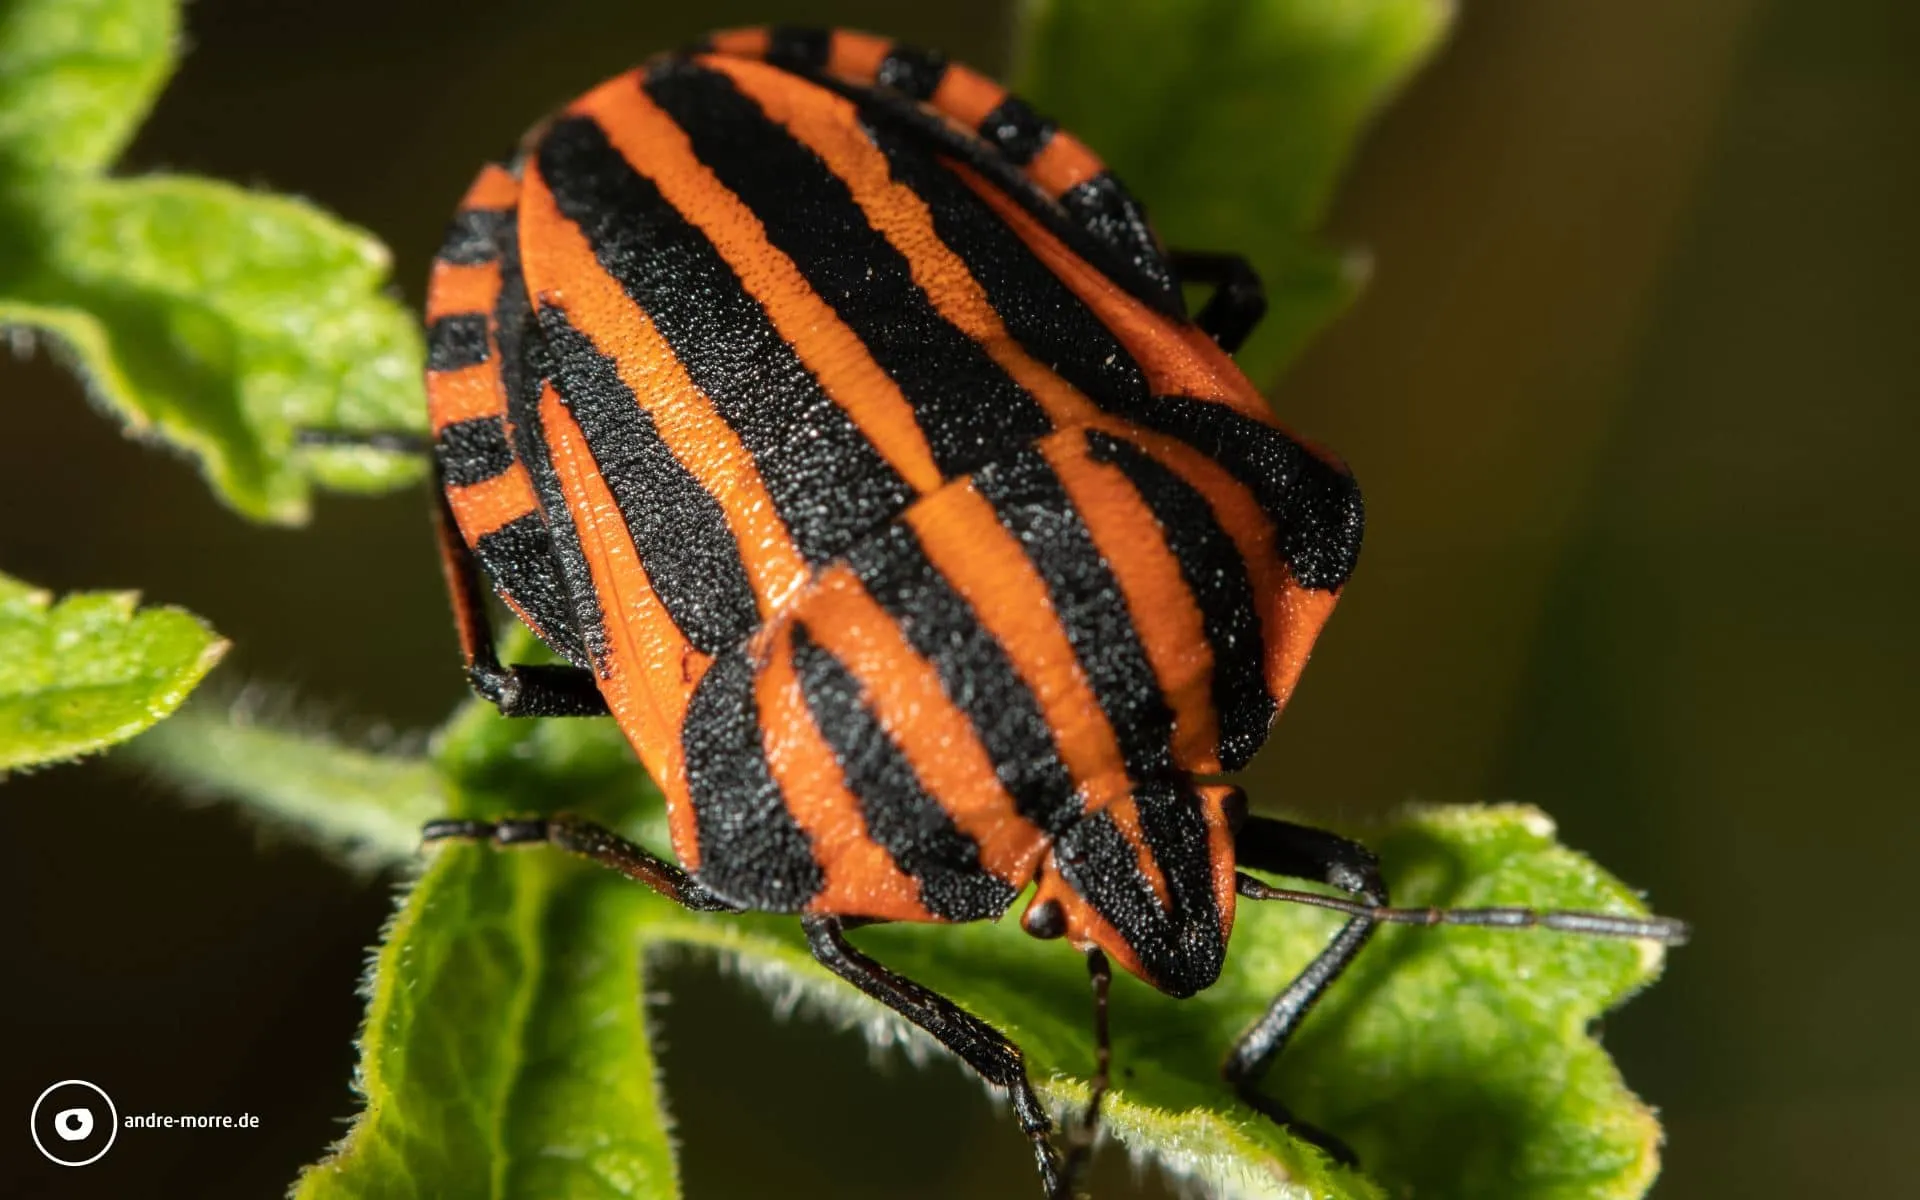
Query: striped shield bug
x=841 y=422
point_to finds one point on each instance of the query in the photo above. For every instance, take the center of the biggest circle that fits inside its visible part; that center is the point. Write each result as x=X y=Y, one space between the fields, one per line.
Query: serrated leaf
x=90 y=671
x=1232 y=119
x=1455 y=1062
x=213 y=318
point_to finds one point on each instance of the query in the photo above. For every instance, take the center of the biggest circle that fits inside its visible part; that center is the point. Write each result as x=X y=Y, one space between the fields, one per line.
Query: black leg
x=1303 y=853
x=979 y=1044
x=387 y=441
x=588 y=840
x=517 y=691
x=1239 y=299
x=1085 y=1133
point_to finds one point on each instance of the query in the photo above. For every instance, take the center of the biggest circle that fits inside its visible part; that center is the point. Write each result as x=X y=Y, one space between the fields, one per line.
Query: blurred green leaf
x=366 y=805
x=76 y=79
x=203 y=315
x=90 y=671
x=1232 y=120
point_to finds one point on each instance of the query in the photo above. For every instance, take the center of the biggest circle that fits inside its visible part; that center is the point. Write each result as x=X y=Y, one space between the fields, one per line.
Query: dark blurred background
x=1633 y=396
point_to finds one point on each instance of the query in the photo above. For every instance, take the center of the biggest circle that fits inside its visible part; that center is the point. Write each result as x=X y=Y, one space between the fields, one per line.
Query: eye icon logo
x=74 y=1123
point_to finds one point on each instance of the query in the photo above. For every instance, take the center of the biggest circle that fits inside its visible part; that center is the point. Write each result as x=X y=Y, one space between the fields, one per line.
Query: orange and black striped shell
x=843 y=417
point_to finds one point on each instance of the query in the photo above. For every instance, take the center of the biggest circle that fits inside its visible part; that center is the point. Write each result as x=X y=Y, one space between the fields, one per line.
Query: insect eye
x=1045 y=920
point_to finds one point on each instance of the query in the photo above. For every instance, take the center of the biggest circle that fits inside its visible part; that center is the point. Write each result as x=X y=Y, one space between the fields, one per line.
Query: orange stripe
x=903 y=690
x=966 y=542
x=494 y=187
x=1126 y=818
x=1063 y=163
x=967 y=96
x=454 y=289
x=751 y=42
x=463 y=395
x=1292 y=623
x=481 y=508
x=856 y=57
x=1290 y=616
x=456 y=562
x=822 y=123
x=1220 y=851
x=559 y=262
x=650 y=669
x=1171 y=627
x=862 y=879
x=1178 y=359
x=1086 y=928
x=656 y=147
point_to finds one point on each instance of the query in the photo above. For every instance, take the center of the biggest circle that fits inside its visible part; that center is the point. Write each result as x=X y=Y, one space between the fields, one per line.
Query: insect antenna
x=1665 y=930
x=387 y=441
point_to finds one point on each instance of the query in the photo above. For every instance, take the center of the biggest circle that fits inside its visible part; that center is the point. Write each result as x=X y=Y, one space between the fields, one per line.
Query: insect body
x=841 y=422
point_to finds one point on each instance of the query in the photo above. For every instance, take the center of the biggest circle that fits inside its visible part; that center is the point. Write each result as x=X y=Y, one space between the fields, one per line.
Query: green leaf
x=76 y=78
x=505 y=1051
x=1232 y=120
x=204 y=315
x=90 y=671
x=1457 y=1062
x=364 y=804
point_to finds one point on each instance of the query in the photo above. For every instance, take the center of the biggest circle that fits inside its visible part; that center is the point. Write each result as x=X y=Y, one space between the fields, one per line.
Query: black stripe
x=1316 y=508
x=678 y=528
x=1105 y=208
x=1211 y=566
x=1034 y=506
x=1037 y=309
x=518 y=558
x=457 y=340
x=473 y=451
x=939 y=136
x=829 y=486
x=1180 y=946
x=968 y=407
x=798 y=48
x=901 y=815
x=473 y=236
x=579 y=623
x=1174 y=824
x=912 y=72
x=1016 y=130
x=752 y=852
x=974 y=671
